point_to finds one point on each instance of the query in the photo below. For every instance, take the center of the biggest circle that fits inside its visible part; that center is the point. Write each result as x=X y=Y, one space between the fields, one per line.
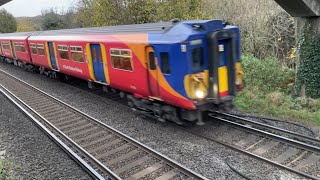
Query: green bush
x=267 y=74
x=268 y=91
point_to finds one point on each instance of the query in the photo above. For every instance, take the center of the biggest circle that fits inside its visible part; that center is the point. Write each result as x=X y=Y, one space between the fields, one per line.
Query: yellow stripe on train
x=223 y=79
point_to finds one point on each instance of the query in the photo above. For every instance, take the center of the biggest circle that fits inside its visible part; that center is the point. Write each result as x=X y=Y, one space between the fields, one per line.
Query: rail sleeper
x=299 y=153
x=125 y=157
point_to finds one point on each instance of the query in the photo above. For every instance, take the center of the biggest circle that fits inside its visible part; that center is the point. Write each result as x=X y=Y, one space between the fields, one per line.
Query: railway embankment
x=270 y=92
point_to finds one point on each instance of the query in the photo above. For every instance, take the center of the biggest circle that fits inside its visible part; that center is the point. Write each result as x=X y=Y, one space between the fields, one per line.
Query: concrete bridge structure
x=301 y=8
x=307 y=15
x=2 y=2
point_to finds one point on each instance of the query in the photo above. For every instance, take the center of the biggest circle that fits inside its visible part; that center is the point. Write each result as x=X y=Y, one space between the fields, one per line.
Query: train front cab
x=215 y=87
x=222 y=75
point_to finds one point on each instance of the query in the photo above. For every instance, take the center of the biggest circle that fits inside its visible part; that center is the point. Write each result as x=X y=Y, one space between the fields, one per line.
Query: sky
x=32 y=8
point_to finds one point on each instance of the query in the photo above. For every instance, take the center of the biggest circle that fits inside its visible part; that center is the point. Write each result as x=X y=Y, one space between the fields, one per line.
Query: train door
x=12 y=50
x=1 y=51
x=97 y=62
x=152 y=73
x=53 y=58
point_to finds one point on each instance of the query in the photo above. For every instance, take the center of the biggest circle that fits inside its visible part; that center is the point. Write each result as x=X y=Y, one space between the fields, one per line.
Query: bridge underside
x=2 y=2
x=301 y=8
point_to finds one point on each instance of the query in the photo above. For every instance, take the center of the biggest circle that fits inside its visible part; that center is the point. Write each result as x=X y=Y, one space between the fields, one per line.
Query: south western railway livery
x=176 y=71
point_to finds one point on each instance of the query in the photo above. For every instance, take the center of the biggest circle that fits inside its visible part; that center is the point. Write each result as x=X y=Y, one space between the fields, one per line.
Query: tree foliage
x=117 y=12
x=185 y=10
x=51 y=20
x=8 y=23
x=25 y=25
x=69 y=19
x=99 y=12
x=139 y=12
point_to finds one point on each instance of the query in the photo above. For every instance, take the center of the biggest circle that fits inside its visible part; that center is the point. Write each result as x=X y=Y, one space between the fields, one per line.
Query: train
x=176 y=71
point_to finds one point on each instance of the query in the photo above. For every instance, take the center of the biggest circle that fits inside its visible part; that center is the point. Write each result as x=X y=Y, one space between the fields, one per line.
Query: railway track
x=103 y=151
x=289 y=150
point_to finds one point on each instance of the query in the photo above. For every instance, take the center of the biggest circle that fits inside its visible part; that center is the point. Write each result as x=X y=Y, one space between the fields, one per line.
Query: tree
x=139 y=12
x=51 y=20
x=116 y=12
x=101 y=12
x=69 y=19
x=25 y=25
x=8 y=23
x=184 y=10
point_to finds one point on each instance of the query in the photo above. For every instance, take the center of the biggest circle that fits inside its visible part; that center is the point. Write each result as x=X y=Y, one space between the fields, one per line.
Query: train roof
x=174 y=31
x=134 y=28
x=17 y=34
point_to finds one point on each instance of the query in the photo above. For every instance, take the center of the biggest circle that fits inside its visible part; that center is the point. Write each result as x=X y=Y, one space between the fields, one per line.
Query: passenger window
x=165 y=63
x=41 y=49
x=22 y=48
x=121 y=59
x=63 y=52
x=5 y=45
x=152 y=60
x=33 y=48
x=17 y=47
x=77 y=53
x=197 y=58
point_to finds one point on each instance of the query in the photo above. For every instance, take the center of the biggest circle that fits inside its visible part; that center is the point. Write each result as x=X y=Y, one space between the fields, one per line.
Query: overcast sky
x=33 y=7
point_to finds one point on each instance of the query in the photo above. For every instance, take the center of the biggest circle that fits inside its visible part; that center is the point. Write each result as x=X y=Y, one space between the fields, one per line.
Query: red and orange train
x=176 y=71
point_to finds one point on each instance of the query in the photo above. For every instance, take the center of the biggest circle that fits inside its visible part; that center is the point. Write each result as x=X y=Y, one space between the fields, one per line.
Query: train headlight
x=200 y=94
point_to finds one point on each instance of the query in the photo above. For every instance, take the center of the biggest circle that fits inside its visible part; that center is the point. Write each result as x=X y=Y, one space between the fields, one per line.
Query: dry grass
x=276 y=98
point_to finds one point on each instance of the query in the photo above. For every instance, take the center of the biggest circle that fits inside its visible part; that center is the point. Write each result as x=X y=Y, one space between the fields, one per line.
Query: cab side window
x=152 y=60
x=197 y=58
x=165 y=63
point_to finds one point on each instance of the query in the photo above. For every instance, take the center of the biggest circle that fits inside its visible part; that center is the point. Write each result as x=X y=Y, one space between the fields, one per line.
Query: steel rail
x=172 y=163
x=250 y=154
x=268 y=127
x=299 y=144
x=296 y=143
x=52 y=136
